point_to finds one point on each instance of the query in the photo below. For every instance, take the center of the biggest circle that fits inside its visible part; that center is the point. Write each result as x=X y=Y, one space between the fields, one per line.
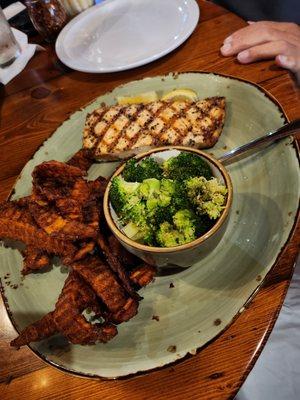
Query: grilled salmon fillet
x=119 y=131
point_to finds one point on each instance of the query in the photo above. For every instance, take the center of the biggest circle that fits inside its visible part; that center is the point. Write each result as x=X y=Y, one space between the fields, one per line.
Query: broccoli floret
x=208 y=196
x=173 y=198
x=216 y=187
x=156 y=193
x=136 y=213
x=167 y=191
x=180 y=199
x=180 y=232
x=149 y=188
x=167 y=236
x=185 y=166
x=143 y=234
x=160 y=215
x=185 y=222
x=122 y=192
x=151 y=168
x=136 y=171
x=168 y=186
x=130 y=172
x=137 y=227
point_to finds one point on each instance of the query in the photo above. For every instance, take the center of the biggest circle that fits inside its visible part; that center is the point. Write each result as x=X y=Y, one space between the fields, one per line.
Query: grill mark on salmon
x=92 y=120
x=135 y=138
x=109 y=124
x=175 y=119
x=145 y=127
x=130 y=118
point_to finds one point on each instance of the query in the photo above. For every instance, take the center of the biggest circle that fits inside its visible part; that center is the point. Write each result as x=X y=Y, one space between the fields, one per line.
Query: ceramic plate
x=205 y=298
x=118 y=35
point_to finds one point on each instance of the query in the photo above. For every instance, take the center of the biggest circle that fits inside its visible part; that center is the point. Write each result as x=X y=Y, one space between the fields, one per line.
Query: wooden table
x=32 y=106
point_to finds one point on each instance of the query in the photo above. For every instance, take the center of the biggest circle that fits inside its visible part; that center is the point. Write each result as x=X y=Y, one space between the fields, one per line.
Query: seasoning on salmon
x=121 y=130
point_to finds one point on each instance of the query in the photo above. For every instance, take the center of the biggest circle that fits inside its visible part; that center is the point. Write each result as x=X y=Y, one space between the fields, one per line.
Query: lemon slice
x=180 y=94
x=144 y=98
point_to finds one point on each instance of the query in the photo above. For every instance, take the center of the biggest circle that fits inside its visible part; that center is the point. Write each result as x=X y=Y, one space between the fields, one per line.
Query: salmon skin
x=120 y=131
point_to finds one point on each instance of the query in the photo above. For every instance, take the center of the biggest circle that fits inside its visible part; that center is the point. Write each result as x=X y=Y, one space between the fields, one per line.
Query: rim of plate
x=174 y=249
x=138 y=374
x=194 y=15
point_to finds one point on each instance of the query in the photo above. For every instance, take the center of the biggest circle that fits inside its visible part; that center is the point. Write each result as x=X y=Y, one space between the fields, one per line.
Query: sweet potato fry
x=56 y=171
x=53 y=179
x=83 y=159
x=16 y=223
x=57 y=226
x=116 y=266
x=74 y=298
x=41 y=329
x=143 y=275
x=129 y=260
x=34 y=259
x=67 y=318
x=63 y=216
x=86 y=248
x=106 y=286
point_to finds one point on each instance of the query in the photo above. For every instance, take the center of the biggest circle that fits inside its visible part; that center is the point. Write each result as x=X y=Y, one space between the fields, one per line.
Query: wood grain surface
x=32 y=106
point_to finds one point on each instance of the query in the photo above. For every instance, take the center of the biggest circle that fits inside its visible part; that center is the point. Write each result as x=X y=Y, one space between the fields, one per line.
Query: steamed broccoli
x=160 y=215
x=208 y=196
x=167 y=236
x=167 y=191
x=137 y=224
x=170 y=205
x=143 y=234
x=185 y=166
x=122 y=192
x=162 y=205
x=180 y=199
x=136 y=213
x=180 y=232
x=156 y=193
x=185 y=222
x=136 y=171
x=149 y=188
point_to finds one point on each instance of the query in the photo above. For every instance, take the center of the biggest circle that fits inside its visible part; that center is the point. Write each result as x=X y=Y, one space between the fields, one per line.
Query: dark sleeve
x=257 y=10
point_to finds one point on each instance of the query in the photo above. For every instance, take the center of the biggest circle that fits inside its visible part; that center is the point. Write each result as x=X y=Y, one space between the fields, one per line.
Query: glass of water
x=9 y=48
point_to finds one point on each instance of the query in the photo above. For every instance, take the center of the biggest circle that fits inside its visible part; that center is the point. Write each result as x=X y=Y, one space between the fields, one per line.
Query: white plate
x=121 y=34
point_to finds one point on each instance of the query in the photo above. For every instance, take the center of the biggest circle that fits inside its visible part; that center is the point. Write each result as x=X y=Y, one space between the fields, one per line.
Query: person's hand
x=266 y=40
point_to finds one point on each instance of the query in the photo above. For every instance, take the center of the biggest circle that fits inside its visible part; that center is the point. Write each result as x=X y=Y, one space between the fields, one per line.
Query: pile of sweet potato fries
x=63 y=217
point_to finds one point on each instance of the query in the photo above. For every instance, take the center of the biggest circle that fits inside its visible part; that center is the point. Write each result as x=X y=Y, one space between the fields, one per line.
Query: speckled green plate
x=206 y=297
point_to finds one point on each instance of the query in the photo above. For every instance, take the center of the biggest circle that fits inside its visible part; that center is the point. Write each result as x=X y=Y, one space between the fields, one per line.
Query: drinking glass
x=9 y=48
